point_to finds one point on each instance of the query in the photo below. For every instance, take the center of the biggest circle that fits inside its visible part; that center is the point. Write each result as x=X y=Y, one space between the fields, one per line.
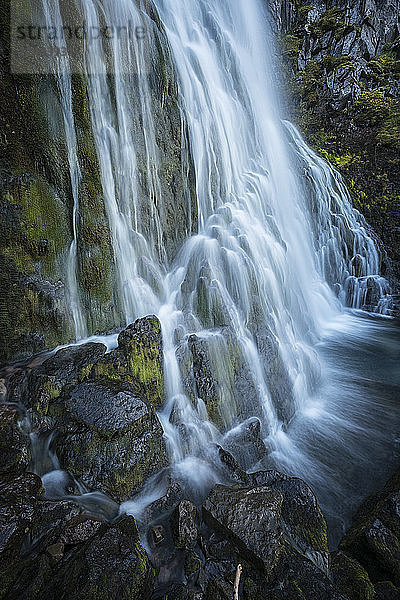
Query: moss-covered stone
x=138 y=360
x=14 y=444
x=350 y=578
x=108 y=437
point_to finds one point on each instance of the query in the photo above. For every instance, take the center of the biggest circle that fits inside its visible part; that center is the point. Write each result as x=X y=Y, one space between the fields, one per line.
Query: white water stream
x=278 y=254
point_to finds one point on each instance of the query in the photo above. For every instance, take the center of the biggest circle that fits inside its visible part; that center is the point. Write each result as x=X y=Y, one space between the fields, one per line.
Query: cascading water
x=53 y=19
x=253 y=292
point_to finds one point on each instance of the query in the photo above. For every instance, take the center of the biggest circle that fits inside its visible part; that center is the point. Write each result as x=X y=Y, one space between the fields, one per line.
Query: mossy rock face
x=138 y=360
x=34 y=236
x=14 y=444
x=374 y=538
x=35 y=226
x=108 y=438
x=216 y=370
x=68 y=367
x=350 y=578
x=74 y=556
x=111 y=565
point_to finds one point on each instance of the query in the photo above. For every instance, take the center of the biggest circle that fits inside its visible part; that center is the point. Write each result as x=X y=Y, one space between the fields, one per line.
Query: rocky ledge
x=88 y=417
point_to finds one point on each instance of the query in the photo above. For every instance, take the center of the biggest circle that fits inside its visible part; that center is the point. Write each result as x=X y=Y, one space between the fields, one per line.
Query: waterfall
x=53 y=19
x=275 y=222
x=279 y=251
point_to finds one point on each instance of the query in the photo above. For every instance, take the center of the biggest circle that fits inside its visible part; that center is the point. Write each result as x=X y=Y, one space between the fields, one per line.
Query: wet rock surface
x=54 y=549
x=374 y=538
x=65 y=369
x=92 y=413
x=183 y=522
x=108 y=438
x=14 y=444
x=341 y=63
x=245 y=524
x=138 y=360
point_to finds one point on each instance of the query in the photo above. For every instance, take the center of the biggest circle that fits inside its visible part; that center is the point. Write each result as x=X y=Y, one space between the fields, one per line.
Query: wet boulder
x=18 y=500
x=183 y=525
x=301 y=515
x=111 y=565
x=52 y=550
x=272 y=522
x=350 y=578
x=245 y=443
x=138 y=360
x=158 y=508
x=298 y=579
x=88 y=560
x=374 y=538
x=14 y=444
x=250 y=518
x=385 y=590
x=109 y=438
x=64 y=369
x=231 y=470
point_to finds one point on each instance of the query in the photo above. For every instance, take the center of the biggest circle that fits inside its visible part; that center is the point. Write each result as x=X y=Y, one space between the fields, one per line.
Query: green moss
x=350 y=578
x=43 y=234
x=331 y=20
x=291 y=45
x=53 y=390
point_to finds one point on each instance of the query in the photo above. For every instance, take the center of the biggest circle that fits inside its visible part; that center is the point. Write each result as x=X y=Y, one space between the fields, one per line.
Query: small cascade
x=62 y=75
x=350 y=260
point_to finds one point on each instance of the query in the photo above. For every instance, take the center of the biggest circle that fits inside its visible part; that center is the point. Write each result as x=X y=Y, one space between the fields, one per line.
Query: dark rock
x=183 y=525
x=179 y=591
x=231 y=467
x=56 y=552
x=66 y=368
x=193 y=564
x=301 y=515
x=109 y=438
x=374 y=537
x=385 y=590
x=275 y=525
x=245 y=443
x=157 y=534
x=80 y=529
x=3 y=390
x=299 y=580
x=251 y=519
x=14 y=444
x=18 y=499
x=165 y=504
x=218 y=589
x=111 y=564
x=350 y=578
x=227 y=390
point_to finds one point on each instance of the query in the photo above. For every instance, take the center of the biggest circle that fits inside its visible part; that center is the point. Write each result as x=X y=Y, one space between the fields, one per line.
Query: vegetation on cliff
x=342 y=68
